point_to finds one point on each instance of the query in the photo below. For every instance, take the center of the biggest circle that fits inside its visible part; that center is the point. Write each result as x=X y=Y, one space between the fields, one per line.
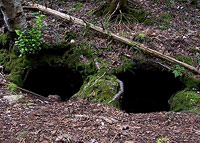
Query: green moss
x=194 y=110
x=12 y=87
x=162 y=27
x=149 y=21
x=77 y=7
x=184 y=59
x=166 y=17
x=184 y=100
x=3 y=38
x=100 y=88
x=17 y=66
x=70 y=35
x=140 y=15
x=191 y=83
x=81 y=59
x=14 y=65
x=51 y=55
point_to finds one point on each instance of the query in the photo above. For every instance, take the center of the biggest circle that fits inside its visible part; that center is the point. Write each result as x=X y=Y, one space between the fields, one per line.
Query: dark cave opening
x=148 y=89
x=46 y=80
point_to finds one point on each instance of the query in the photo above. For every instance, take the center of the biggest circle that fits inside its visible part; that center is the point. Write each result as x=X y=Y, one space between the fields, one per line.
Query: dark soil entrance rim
x=47 y=80
x=148 y=88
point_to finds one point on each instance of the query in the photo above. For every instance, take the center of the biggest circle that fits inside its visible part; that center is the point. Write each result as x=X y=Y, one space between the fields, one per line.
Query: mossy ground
x=100 y=88
x=185 y=100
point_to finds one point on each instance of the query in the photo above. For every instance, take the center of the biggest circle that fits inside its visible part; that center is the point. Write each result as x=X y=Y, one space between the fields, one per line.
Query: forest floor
x=35 y=120
x=77 y=120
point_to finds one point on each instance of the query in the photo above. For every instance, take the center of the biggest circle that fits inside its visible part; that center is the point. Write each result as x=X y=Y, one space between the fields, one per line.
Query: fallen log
x=114 y=36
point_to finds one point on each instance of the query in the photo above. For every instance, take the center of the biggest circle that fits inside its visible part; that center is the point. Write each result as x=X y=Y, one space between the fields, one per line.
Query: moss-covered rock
x=184 y=100
x=100 y=88
x=191 y=83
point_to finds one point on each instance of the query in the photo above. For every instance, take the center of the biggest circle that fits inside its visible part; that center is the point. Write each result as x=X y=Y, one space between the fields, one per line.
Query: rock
x=54 y=98
x=13 y=99
x=72 y=41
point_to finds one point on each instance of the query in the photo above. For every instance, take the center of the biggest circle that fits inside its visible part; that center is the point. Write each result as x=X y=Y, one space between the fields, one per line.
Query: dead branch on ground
x=130 y=42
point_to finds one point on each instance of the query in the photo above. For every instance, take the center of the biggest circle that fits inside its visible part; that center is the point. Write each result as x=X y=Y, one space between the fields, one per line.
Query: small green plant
x=166 y=18
x=160 y=140
x=29 y=41
x=77 y=7
x=12 y=87
x=168 y=2
x=162 y=27
x=178 y=71
x=140 y=37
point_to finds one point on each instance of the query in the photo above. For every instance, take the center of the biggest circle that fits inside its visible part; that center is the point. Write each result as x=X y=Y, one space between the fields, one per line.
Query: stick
x=114 y=137
x=130 y=42
x=121 y=91
x=25 y=90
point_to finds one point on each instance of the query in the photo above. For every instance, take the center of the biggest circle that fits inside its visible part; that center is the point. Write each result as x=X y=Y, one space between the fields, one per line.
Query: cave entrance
x=46 y=80
x=147 y=88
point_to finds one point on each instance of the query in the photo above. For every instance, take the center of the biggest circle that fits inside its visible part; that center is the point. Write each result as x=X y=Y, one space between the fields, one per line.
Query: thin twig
x=114 y=137
x=98 y=79
x=25 y=90
x=92 y=84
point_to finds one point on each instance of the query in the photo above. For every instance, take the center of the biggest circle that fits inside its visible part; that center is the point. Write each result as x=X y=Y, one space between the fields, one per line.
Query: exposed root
x=120 y=93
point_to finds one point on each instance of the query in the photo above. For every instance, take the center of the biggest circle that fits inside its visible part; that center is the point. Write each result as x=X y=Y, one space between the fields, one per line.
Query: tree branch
x=130 y=42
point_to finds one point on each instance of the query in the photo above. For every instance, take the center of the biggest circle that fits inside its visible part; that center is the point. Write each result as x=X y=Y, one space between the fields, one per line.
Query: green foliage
x=70 y=35
x=29 y=41
x=185 y=59
x=82 y=58
x=191 y=83
x=194 y=110
x=77 y=7
x=30 y=104
x=166 y=17
x=168 y=2
x=140 y=37
x=3 y=38
x=12 y=87
x=178 y=71
x=162 y=27
x=91 y=12
x=139 y=15
x=182 y=0
x=149 y=21
x=160 y=140
x=184 y=100
x=127 y=63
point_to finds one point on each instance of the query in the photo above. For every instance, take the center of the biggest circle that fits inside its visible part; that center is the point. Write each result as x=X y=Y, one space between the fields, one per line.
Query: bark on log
x=13 y=14
x=114 y=36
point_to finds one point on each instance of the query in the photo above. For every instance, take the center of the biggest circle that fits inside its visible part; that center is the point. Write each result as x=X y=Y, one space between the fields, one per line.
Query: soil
x=40 y=120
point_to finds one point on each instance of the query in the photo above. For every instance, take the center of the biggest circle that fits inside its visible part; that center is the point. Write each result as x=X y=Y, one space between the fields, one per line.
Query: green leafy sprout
x=178 y=71
x=160 y=140
x=29 y=40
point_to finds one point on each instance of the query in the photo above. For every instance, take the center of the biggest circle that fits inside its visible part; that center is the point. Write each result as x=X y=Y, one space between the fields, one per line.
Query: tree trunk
x=117 y=4
x=13 y=14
